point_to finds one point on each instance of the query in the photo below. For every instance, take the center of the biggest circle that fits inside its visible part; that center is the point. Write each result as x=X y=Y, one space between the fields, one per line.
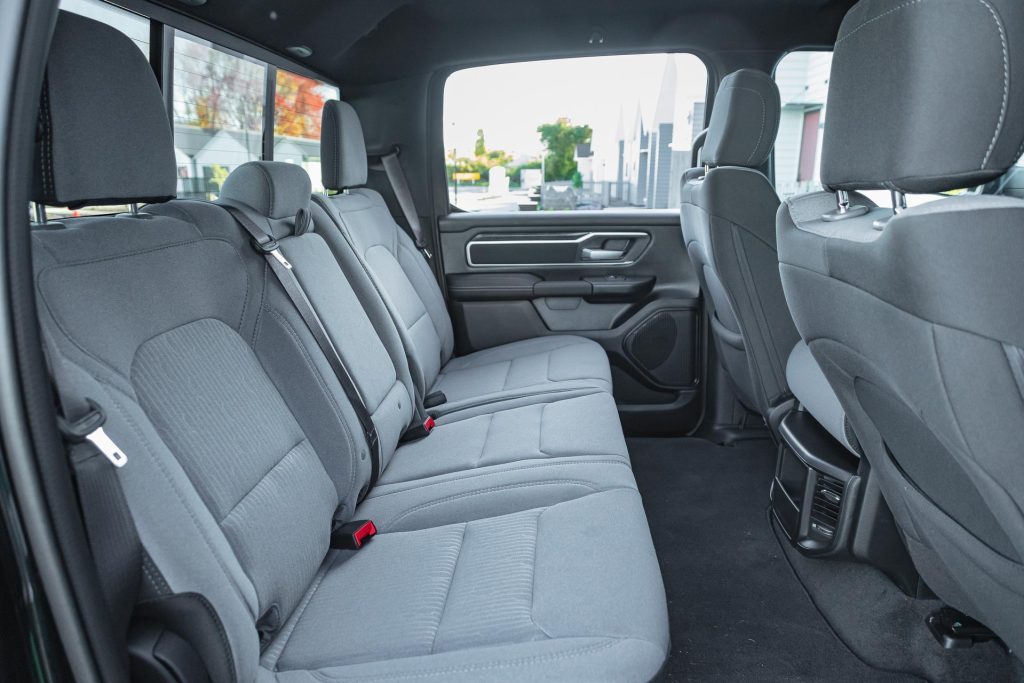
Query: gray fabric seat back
x=387 y=253
x=240 y=448
x=728 y=222
x=915 y=318
x=277 y=192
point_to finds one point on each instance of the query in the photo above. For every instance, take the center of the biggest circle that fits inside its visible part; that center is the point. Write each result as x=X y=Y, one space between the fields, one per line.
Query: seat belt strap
x=265 y=243
x=400 y=186
x=110 y=531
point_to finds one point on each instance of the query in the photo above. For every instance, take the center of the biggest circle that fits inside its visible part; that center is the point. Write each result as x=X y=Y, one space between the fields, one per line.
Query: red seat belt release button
x=428 y=424
x=352 y=535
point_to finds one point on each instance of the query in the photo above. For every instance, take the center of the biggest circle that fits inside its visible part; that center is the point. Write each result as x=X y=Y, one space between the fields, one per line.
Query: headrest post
x=40 y=213
x=843 y=201
x=899 y=202
x=843 y=208
x=134 y=208
x=707 y=168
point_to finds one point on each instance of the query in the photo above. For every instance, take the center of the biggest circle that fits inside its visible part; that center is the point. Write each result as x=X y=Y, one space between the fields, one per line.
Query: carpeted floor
x=886 y=628
x=737 y=610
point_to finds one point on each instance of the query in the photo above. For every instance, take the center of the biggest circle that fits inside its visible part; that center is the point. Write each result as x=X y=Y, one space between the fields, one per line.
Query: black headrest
x=744 y=122
x=103 y=136
x=275 y=189
x=342 y=147
x=925 y=95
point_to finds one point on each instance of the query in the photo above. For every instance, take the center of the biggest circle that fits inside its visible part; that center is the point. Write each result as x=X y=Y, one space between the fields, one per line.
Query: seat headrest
x=275 y=189
x=925 y=95
x=103 y=136
x=744 y=121
x=342 y=147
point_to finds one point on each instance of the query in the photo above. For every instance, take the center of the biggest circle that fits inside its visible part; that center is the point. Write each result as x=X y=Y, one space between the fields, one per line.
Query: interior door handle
x=590 y=254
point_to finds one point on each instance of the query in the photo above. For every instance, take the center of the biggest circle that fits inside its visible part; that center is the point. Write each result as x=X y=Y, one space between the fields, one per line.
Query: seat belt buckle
x=434 y=399
x=89 y=428
x=417 y=432
x=352 y=535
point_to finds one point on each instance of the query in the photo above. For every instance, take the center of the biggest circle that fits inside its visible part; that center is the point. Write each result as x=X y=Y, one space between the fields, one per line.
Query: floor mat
x=737 y=610
x=886 y=628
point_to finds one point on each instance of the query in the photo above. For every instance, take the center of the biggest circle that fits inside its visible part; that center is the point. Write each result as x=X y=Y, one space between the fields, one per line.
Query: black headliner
x=365 y=41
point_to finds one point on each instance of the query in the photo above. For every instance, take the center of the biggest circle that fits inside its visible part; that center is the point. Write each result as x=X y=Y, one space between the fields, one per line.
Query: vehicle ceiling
x=366 y=41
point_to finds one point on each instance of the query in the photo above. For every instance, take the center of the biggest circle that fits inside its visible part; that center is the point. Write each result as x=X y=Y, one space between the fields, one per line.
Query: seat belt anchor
x=352 y=535
x=89 y=428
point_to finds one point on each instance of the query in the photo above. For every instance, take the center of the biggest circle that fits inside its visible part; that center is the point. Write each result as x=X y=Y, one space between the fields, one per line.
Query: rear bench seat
x=413 y=298
x=495 y=559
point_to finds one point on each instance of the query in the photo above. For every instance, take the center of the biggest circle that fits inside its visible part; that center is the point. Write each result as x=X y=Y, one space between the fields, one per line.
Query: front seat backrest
x=915 y=318
x=728 y=221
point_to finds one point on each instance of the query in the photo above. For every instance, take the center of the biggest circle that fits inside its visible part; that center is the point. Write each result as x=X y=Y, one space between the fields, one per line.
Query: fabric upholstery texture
x=74 y=166
x=272 y=188
x=882 y=133
x=513 y=543
x=728 y=223
x=342 y=147
x=917 y=325
x=387 y=257
x=744 y=122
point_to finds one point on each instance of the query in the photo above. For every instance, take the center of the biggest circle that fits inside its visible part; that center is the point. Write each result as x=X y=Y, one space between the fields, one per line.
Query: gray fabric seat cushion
x=584 y=425
x=566 y=592
x=530 y=365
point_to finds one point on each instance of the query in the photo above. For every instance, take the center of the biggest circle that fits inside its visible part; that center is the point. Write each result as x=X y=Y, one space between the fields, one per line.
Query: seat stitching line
x=760 y=314
x=335 y=406
x=764 y=108
x=533 y=575
x=473 y=475
x=1015 y=359
x=1006 y=63
x=483 y=445
x=299 y=611
x=609 y=642
x=492 y=489
x=261 y=479
x=448 y=592
x=540 y=430
x=156 y=460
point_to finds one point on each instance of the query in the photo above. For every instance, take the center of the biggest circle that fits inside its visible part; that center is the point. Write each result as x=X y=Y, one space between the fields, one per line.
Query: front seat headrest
x=925 y=95
x=103 y=135
x=744 y=121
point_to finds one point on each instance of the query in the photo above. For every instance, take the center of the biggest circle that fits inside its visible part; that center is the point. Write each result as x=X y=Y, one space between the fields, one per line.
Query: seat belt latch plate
x=353 y=535
x=89 y=428
x=105 y=445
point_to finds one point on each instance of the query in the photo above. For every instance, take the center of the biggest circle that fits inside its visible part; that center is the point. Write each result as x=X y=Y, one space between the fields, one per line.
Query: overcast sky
x=509 y=101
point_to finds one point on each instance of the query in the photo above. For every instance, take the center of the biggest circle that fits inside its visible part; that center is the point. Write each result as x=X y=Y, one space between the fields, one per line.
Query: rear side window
x=218 y=114
x=298 y=104
x=573 y=134
x=224 y=108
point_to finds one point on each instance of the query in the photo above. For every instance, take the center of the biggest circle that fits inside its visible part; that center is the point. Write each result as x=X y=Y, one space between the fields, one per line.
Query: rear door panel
x=621 y=278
